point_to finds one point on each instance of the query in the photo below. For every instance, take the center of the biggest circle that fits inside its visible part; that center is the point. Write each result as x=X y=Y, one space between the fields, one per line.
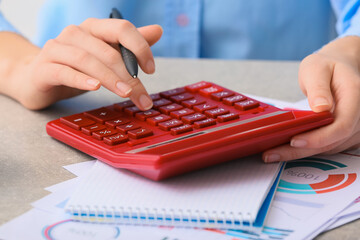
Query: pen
x=127 y=56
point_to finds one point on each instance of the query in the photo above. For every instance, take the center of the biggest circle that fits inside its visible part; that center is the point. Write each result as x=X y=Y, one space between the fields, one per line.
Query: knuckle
x=125 y=25
x=308 y=60
x=70 y=31
x=82 y=57
x=89 y=21
x=51 y=43
x=134 y=82
x=314 y=59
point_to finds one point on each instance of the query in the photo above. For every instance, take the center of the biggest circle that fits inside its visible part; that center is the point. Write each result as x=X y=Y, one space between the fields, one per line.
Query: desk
x=30 y=160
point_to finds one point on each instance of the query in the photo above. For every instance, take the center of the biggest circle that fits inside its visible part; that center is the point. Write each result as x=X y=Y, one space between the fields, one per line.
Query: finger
x=315 y=76
x=125 y=33
x=151 y=33
x=110 y=56
x=86 y=63
x=286 y=152
x=346 y=113
x=74 y=36
x=57 y=74
x=140 y=97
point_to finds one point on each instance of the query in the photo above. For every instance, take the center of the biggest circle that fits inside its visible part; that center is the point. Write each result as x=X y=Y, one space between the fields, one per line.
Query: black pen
x=127 y=56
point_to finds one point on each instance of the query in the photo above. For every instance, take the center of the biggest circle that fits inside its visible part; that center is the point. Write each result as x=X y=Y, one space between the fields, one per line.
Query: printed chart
x=311 y=172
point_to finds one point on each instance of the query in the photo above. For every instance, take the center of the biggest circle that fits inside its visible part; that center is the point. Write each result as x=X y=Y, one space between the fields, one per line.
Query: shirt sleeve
x=5 y=25
x=348 y=17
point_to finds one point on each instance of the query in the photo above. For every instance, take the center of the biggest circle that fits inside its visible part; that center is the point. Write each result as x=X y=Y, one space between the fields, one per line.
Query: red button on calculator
x=77 y=121
x=101 y=114
x=189 y=128
x=116 y=139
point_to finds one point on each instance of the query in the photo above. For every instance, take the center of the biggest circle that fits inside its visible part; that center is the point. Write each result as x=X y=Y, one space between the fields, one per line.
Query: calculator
x=188 y=128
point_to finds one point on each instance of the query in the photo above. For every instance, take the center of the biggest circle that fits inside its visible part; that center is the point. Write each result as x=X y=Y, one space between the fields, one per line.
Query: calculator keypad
x=175 y=112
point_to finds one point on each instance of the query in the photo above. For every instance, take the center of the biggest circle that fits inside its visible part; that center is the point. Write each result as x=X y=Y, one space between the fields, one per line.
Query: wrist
x=15 y=55
x=14 y=77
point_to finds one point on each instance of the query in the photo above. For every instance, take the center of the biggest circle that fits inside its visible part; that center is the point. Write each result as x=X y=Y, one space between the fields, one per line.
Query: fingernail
x=320 y=101
x=93 y=82
x=145 y=102
x=298 y=143
x=150 y=66
x=273 y=157
x=124 y=88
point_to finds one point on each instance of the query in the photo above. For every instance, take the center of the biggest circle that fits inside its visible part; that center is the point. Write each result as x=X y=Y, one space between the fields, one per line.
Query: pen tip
x=134 y=76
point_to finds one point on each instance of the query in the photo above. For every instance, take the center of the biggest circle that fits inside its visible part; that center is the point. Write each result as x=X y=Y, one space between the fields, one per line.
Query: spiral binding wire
x=170 y=217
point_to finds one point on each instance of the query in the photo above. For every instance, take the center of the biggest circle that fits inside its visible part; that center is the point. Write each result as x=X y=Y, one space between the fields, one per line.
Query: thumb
x=151 y=33
x=315 y=76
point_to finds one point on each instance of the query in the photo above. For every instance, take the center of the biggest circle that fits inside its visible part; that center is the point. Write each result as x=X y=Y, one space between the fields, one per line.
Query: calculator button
x=220 y=95
x=208 y=91
x=180 y=113
x=231 y=100
x=89 y=129
x=203 y=107
x=197 y=86
x=204 y=123
x=216 y=112
x=132 y=110
x=116 y=139
x=117 y=121
x=246 y=105
x=140 y=133
x=192 y=102
x=155 y=96
x=170 y=108
x=182 y=129
x=182 y=97
x=170 y=124
x=172 y=92
x=161 y=102
x=127 y=127
x=227 y=117
x=104 y=133
x=146 y=114
x=102 y=114
x=190 y=119
x=76 y=121
x=120 y=106
x=157 y=119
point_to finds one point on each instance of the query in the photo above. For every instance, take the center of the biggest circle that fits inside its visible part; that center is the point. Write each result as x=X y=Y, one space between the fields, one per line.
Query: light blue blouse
x=232 y=29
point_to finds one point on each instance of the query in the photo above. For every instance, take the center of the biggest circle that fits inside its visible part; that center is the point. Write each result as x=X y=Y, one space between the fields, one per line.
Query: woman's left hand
x=330 y=79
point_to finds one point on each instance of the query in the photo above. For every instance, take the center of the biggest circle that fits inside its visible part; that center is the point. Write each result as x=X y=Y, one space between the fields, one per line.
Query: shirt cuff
x=349 y=21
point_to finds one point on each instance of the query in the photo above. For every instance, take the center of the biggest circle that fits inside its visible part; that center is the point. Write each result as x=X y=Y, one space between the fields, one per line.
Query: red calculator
x=188 y=128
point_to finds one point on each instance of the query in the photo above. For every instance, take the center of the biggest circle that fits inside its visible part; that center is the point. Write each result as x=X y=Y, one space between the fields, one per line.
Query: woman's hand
x=83 y=58
x=330 y=79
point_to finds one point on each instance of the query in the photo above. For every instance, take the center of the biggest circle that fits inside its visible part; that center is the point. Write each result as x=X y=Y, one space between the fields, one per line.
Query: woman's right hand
x=83 y=58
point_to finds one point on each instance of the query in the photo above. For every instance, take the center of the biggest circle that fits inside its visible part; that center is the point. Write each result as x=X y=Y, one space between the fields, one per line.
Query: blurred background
x=22 y=14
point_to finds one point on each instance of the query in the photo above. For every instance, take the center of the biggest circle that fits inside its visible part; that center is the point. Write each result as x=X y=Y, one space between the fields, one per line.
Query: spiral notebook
x=234 y=195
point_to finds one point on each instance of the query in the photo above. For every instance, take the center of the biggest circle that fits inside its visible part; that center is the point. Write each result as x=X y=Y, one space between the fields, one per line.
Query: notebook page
x=236 y=186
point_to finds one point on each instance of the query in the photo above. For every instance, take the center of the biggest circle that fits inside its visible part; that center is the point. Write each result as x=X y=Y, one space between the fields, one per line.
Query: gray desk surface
x=30 y=160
